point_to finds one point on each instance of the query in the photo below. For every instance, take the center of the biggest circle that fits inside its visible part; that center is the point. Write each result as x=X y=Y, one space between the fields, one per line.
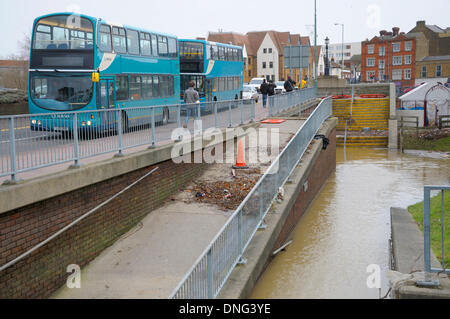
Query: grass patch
x=411 y=142
x=435 y=226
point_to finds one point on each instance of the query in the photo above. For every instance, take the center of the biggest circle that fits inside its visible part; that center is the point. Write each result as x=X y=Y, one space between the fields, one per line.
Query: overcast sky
x=193 y=18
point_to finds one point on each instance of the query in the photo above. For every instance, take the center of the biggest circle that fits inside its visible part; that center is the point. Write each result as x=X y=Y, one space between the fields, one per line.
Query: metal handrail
x=20 y=158
x=427 y=228
x=320 y=114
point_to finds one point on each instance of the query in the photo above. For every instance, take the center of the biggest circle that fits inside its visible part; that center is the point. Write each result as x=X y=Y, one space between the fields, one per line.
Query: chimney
x=383 y=33
x=420 y=23
x=395 y=31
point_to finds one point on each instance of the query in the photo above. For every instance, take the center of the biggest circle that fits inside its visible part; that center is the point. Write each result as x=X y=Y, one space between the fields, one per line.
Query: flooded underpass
x=347 y=228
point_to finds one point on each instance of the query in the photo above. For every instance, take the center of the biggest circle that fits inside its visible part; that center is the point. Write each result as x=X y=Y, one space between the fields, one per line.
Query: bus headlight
x=83 y=123
x=33 y=122
x=89 y=123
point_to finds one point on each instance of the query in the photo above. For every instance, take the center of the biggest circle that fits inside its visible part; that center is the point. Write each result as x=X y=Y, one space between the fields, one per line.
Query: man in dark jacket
x=271 y=89
x=289 y=85
x=264 y=89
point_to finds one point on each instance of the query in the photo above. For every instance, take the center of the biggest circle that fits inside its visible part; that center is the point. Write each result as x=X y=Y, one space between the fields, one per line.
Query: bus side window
x=147 y=87
x=119 y=40
x=133 y=42
x=171 y=85
x=146 y=47
x=154 y=45
x=122 y=88
x=156 y=86
x=173 y=52
x=135 y=88
x=105 y=38
x=162 y=46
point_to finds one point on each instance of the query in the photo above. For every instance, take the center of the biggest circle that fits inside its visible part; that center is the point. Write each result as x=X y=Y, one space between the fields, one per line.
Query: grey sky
x=192 y=18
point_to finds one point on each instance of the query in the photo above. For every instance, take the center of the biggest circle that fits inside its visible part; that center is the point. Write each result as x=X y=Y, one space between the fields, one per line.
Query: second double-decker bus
x=82 y=63
x=216 y=68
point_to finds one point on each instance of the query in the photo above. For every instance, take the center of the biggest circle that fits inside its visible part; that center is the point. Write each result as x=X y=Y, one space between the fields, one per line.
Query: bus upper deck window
x=105 y=38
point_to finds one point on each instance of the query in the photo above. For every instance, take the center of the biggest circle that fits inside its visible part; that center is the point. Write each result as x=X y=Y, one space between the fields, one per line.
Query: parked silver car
x=250 y=92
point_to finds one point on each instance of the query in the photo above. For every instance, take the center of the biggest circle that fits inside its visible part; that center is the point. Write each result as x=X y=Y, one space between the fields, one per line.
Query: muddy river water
x=347 y=228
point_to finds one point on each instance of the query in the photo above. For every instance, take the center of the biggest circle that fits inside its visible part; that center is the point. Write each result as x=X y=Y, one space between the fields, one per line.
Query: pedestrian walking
x=264 y=89
x=191 y=98
x=271 y=89
x=289 y=85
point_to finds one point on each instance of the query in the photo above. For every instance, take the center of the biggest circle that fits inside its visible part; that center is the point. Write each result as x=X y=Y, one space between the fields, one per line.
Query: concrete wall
x=33 y=211
x=324 y=88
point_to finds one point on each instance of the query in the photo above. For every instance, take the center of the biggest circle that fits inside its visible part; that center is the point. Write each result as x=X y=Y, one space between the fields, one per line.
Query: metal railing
x=29 y=142
x=427 y=228
x=212 y=269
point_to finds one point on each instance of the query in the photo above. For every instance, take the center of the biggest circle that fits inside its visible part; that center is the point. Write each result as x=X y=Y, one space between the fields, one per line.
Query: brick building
x=432 y=52
x=390 y=57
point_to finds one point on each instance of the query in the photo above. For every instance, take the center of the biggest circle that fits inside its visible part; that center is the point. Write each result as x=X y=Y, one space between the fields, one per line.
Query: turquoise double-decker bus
x=216 y=68
x=82 y=63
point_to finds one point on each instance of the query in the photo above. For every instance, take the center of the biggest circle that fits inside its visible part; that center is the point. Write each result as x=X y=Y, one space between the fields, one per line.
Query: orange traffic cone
x=240 y=161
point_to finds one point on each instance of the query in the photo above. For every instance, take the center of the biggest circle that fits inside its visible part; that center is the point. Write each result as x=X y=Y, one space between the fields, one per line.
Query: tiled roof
x=436 y=58
x=253 y=39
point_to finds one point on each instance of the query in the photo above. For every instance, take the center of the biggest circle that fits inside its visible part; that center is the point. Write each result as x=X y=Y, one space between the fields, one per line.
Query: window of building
x=264 y=51
x=396 y=47
x=408 y=59
x=133 y=42
x=270 y=50
x=271 y=65
x=119 y=40
x=370 y=49
x=407 y=74
x=370 y=62
x=397 y=60
x=381 y=75
x=250 y=73
x=397 y=74
x=105 y=38
x=438 y=70
x=408 y=46
x=424 y=71
x=348 y=47
x=264 y=65
x=381 y=64
x=382 y=51
x=249 y=60
x=370 y=75
x=122 y=88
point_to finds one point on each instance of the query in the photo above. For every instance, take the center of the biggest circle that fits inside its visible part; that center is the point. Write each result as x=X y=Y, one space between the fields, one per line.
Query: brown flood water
x=347 y=228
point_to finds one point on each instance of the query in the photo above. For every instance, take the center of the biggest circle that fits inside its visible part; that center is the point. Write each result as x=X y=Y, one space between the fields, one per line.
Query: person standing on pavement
x=191 y=98
x=289 y=85
x=264 y=89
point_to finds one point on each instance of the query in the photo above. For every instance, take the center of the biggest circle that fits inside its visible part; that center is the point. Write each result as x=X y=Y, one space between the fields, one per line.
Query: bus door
x=107 y=102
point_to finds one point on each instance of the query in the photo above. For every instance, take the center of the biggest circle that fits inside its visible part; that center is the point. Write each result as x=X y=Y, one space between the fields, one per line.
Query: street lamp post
x=342 y=25
x=327 y=63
